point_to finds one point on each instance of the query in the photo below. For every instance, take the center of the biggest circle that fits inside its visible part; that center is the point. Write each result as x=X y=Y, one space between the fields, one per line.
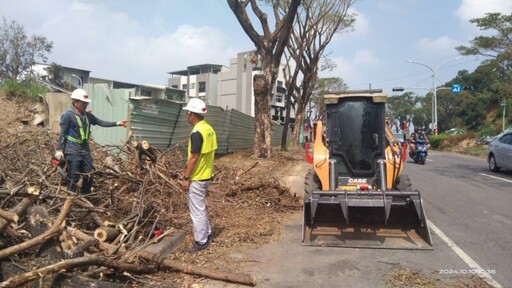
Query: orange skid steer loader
x=355 y=193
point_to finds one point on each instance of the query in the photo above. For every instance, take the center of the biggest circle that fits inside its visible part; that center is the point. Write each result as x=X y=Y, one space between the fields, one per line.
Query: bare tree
x=270 y=46
x=316 y=23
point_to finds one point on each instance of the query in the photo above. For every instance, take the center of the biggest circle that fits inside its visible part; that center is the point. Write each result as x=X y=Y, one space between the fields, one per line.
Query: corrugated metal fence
x=164 y=124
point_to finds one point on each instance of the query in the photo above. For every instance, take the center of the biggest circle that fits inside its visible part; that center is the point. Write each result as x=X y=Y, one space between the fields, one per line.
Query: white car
x=500 y=153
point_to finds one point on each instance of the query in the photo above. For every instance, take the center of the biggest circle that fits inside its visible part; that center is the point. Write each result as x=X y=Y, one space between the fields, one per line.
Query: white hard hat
x=80 y=94
x=196 y=105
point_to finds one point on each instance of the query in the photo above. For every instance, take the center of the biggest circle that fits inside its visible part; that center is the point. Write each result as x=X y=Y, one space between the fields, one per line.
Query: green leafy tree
x=18 y=52
x=55 y=74
x=496 y=70
x=324 y=86
x=401 y=105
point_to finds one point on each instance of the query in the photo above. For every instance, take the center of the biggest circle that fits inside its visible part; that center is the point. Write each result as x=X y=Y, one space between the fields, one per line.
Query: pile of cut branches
x=136 y=197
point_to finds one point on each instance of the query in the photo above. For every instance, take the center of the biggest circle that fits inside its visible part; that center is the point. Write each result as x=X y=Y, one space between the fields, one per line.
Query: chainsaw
x=60 y=166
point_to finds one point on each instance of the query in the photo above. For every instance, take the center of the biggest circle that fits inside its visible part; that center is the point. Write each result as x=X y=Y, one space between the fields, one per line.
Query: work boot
x=197 y=247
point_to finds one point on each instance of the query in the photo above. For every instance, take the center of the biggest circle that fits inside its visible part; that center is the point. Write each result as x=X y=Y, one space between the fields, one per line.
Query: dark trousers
x=78 y=164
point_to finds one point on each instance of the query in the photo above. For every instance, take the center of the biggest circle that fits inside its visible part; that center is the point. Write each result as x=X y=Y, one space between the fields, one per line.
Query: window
x=279 y=98
x=175 y=86
x=144 y=92
x=192 y=85
x=279 y=83
x=184 y=87
x=202 y=87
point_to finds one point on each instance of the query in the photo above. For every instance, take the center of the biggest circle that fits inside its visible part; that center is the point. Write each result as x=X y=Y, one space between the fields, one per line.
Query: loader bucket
x=364 y=219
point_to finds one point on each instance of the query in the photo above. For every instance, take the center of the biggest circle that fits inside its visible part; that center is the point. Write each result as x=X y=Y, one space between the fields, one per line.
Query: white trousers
x=197 y=208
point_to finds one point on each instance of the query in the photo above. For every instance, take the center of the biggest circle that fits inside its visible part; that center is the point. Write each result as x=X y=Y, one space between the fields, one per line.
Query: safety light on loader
x=363 y=187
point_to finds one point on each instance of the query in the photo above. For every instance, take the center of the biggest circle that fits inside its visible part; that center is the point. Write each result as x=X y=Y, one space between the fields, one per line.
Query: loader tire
x=311 y=183
x=403 y=183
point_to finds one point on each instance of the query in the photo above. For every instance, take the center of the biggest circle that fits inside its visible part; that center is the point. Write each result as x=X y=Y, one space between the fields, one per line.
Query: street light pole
x=79 y=80
x=434 y=90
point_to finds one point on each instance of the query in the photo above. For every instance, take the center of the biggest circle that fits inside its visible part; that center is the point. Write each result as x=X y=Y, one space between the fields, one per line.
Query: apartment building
x=198 y=81
x=235 y=88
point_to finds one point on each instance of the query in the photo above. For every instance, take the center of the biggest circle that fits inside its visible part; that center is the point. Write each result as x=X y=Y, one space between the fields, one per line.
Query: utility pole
x=434 y=90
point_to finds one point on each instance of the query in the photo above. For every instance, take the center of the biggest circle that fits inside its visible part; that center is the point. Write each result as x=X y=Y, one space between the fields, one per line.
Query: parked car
x=500 y=153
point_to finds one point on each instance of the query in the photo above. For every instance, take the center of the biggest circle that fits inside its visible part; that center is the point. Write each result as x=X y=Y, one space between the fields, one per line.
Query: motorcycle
x=421 y=152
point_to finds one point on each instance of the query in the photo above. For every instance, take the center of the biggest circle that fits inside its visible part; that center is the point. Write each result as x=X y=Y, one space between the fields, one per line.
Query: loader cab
x=355 y=134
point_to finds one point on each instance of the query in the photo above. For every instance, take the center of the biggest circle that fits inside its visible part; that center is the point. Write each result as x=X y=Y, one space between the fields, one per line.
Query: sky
x=141 y=41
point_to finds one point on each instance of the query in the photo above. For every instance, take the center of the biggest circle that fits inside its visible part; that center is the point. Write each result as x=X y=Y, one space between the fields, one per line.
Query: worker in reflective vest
x=198 y=172
x=73 y=146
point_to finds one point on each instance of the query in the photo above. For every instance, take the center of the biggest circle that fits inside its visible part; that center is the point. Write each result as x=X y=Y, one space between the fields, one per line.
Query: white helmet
x=196 y=105
x=80 y=94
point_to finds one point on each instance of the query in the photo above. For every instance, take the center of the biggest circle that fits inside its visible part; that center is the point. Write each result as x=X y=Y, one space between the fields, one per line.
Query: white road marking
x=465 y=257
x=499 y=178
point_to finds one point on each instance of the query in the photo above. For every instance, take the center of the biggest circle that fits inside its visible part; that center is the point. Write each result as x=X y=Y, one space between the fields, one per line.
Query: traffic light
x=397 y=89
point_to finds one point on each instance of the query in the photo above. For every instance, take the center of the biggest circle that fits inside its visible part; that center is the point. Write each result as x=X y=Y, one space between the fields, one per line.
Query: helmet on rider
x=196 y=105
x=81 y=95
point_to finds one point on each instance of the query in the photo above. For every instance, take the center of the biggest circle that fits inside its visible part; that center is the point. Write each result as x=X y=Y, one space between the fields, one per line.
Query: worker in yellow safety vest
x=199 y=171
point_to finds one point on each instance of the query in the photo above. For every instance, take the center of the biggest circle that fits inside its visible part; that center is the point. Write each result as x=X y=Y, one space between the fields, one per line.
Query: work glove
x=121 y=123
x=59 y=155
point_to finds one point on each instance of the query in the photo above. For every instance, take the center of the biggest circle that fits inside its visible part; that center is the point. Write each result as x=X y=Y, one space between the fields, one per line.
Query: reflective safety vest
x=84 y=134
x=204 y=166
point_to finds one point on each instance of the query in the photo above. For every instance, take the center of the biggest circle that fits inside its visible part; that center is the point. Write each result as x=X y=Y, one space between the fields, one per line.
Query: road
x=472 y=206
x=470 y=220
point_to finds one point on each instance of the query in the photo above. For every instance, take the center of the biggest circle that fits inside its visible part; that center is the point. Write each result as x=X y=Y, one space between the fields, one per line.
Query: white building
x=74 y=76
x=198 y=81
x=235 y=87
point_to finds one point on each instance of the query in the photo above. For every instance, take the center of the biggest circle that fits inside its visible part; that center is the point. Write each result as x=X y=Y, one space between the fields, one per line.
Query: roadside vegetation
x=481 y=107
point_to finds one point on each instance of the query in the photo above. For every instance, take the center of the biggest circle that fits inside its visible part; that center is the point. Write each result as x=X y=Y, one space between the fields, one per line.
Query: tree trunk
x=299 y=120
x=300 y=108
x=244 y=279
x=19 y=209
x=67 y=265
x=53 y=231
x=10 y=216
x=262 y=129
x=106 y=234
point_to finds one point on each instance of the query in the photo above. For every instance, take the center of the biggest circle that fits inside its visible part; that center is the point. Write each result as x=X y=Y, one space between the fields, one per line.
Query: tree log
x=102 y=245
x=238 y=278
x=78 y=251
x=54 y=230
x=12 y=217
x=70 y=264
x=106 y=234
x=18 y=210
x=97 y=219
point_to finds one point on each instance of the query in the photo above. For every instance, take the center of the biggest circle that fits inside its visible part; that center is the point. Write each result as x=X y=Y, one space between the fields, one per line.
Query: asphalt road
x=472 y=206
x=470 y=214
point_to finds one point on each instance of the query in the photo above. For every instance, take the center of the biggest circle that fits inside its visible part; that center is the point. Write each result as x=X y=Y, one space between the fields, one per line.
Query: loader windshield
x=355 y=134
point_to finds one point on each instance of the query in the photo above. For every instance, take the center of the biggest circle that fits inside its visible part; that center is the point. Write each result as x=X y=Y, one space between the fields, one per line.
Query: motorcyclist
x=417 y=134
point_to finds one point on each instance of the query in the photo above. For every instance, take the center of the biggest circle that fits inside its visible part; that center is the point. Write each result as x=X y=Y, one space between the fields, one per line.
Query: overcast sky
x=141 y=41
